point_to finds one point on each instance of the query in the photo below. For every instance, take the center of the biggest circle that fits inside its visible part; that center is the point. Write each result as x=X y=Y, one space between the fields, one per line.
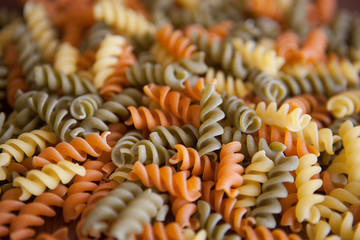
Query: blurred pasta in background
x=179 y=119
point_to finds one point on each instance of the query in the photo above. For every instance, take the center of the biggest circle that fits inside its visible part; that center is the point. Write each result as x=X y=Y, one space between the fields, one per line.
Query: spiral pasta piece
x=255 y=55
x=41 y=29
x=305 y=207
x=123 y=19
x=49 y=176
x=210 y=222
x=175 y=42
x=61 y=233
x=66 y=58
x=173 y=102
x=30 y=214
x=349 y=136
x=136 y=215
x=267 y=87
x=159 y=231
x=287 y=44
x=190 y=158
x=313 y=48
x=222 y=54
x=227 y=84
x=228 y=176
x=344 y=104
x=143 y=118
x=169 y=137
x=106 y=58
x=78 y=149
x=164 y=179
x=267 y=203
x=293 y=121
x=241 y=115
x=255 y=174
x=262 y=232
x=121 y=153
x=85 y=106
x=210 y=115
x=47 y=78
x=108 y=207
x=29 y=56
x=96 y=35
x=25 y=145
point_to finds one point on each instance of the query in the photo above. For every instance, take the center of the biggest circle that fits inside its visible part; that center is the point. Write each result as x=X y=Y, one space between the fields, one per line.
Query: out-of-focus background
x=349 y=4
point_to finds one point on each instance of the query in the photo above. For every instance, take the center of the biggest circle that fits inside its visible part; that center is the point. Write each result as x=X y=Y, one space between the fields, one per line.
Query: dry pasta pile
x=180 y=119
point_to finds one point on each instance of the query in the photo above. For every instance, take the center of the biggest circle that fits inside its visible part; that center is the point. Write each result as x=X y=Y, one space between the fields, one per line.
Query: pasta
x=344 y=104
x=66 y=58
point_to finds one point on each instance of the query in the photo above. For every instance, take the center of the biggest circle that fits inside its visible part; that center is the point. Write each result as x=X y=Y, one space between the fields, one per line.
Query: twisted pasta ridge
x=169 y=137
x=262 y=232
x=287 y=44
x=61 y=233
x=143 y=118
x=270 y=9
x=327 y=84
x=226 y=207
x=80 y=190
x=323 y=139
x=293 y=121
x=121 y=173
x=342 y=69
x=136 y=215
x=114 y=85
x=25 y=145
x=106 y=58
x=9 y=206
x=30 y=214
x=267 y=202
x=166 y=180
x=183 y=211
x=173 y=75
x=210 y=222
x=320 y=231
x=123 y=19
x=194 y=92
x=99 y=193
x=29 y=56
x=305 y=207
x=255 y=174
x=78 y=149
x=210 y=115
x=228 y=176
x=241 y=115
x=222 y=54
x=47 y=78
x=344 y=104
x=345 y=226
x=84 y=106
x=58 y=120
x=173 y=102
x=41 y=29
x=108 y=207
x=314 y=46
x=267 y=87
x=190 y=158
x=159 y=231
x=175 y=42
x=36 y=181
x=227 y=84
x=66 y=58
x=349 y=136
x=255 y=55
x=121 y=153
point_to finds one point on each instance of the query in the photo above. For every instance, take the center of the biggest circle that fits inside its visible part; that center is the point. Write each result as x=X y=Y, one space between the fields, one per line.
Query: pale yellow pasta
x=190 y=234
x=255 y=175
x=293 y=121
x=344 y=104
x=66 y=58
x=343 y=225
x=305 y=208
x=122 y=19
x=323 y=139
x=331 y=204
x=320 y=231
x=36 y=181
x=342 y=68
x=297 y=69
x=258 y=56
x=41 y=29
x=351 y=141
x=106 y=58
x=338 y=169
x=24 y=146
x=227 y=83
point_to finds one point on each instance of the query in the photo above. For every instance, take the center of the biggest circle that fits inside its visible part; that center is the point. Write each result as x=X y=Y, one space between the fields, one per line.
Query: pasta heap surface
x=180 y=119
